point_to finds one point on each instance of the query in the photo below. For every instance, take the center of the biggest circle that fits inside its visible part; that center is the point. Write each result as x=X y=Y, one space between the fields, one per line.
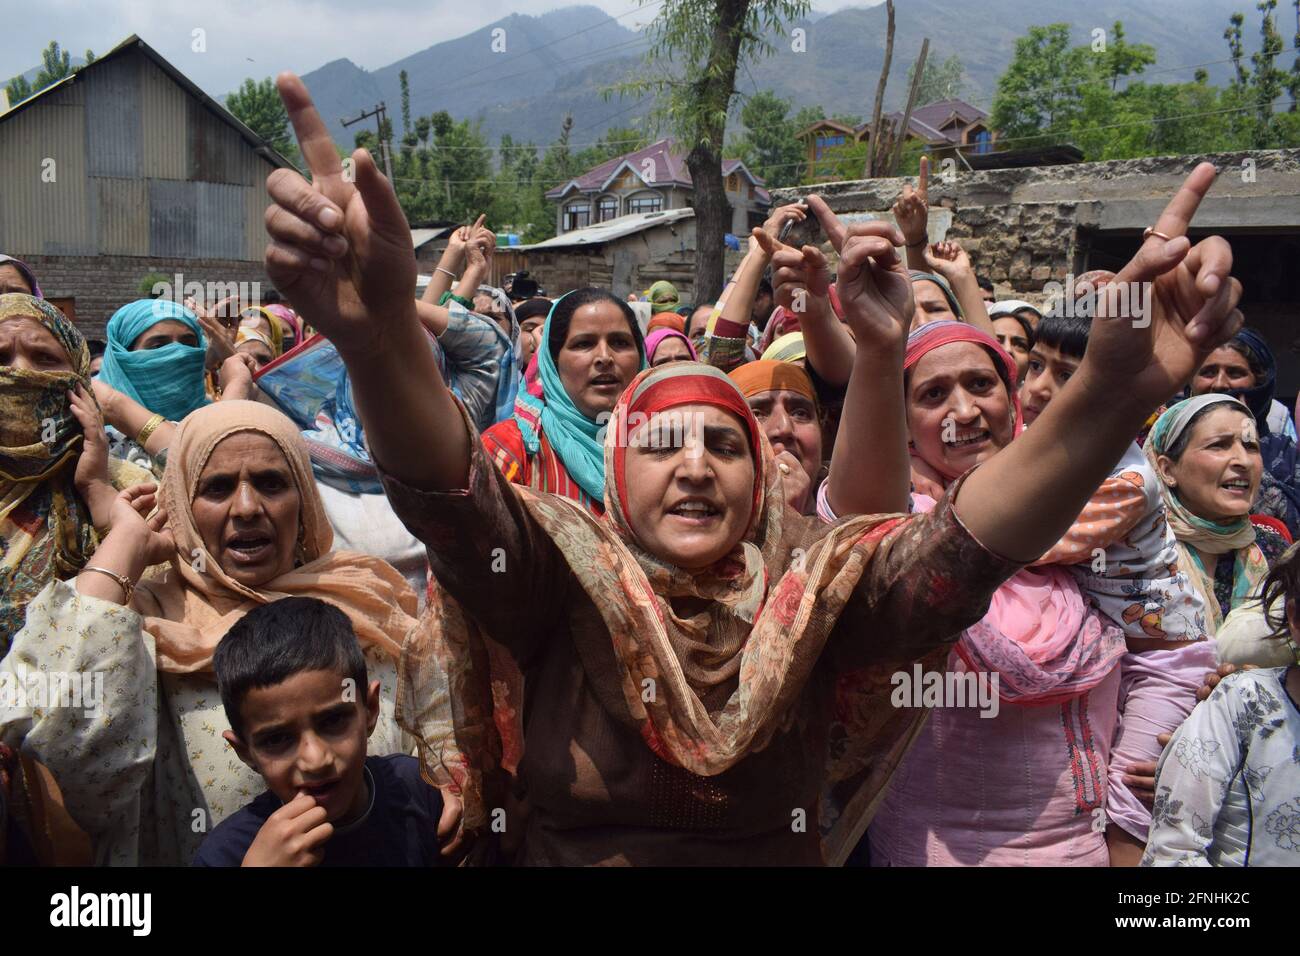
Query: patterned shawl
x=189 y=609
x=770 y=615
x=1195 y=533
x=45 y=527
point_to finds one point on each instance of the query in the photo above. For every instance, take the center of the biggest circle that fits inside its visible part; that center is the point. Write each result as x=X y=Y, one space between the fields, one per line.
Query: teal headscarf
x=574 y=436
x=168 y=380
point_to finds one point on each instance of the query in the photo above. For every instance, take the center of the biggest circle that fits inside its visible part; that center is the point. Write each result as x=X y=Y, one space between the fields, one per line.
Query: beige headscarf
x=189 y=610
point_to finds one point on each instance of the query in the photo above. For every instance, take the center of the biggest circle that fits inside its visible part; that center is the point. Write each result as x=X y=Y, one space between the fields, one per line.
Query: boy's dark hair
x=272 y=297
x=1068 y=334
x=984 y=283
x=271 y=643
x=1281 y=588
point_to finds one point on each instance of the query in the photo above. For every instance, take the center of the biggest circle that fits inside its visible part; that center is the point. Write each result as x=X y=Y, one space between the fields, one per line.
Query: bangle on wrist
x=448 y=272
x=150 y=427
x=123 y=581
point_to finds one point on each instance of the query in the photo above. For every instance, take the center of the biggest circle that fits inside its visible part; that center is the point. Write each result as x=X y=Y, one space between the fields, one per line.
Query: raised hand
x=340 y=250
x=91 y=475
x=948 y=259
x=236 y=377
x=874 y=289
x=912 y=209
x=1190 y=302
x=795 y=211
x=132 y=519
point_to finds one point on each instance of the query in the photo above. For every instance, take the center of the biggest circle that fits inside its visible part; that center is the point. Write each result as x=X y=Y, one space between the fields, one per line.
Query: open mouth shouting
x=250 y=547
x=696 y=511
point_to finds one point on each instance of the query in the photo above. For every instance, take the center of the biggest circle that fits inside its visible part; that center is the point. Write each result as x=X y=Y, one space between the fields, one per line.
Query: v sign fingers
x=340 y=245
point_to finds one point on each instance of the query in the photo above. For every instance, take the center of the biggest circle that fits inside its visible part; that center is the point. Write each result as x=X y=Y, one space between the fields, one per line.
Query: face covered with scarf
x=45 y=527
x=686 y=469
x=155 y=355
x=961 y=404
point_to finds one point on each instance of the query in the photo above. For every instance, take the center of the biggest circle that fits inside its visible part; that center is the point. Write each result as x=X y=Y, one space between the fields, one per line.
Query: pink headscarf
x=935 y=335
x=655 y=338
x=292 y=324
x=1042 y=638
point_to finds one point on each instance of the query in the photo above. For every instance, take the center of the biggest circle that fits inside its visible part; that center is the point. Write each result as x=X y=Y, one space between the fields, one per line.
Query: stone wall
x=98 y=285
x=1025 y=227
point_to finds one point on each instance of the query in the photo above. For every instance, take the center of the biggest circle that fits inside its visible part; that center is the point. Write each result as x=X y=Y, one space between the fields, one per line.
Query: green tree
x=940 y=81
x=56 y=63
x=770 y=145
x=406 y=102
x=258 y=106
x=697 y=46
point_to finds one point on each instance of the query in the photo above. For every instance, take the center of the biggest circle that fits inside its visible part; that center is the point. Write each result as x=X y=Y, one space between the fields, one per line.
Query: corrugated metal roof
x=134 y=43
x=613 y=229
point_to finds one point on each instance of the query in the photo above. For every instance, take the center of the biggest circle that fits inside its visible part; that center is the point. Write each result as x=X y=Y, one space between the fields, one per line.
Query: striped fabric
x=542 y=471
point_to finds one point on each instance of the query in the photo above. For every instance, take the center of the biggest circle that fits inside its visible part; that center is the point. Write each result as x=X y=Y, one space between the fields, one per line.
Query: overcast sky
x=261 y=37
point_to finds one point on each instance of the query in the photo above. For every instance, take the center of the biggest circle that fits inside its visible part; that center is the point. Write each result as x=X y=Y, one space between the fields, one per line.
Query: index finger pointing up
x=829 y=222
x=313 y=138
x=1173 y=222
x=923 y=179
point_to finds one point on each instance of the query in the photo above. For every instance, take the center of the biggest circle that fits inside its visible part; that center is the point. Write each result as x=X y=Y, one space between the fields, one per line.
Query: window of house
x=608 y=208
x=647 y=202
x=983 y=141
x=827 y=141
x=577 y=215
x=733 y=183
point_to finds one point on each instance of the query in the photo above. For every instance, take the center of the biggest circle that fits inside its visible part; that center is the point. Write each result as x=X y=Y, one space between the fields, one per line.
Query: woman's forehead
x=1224 y=418
x=258 y=449
x=953 y=359
x=598 y=317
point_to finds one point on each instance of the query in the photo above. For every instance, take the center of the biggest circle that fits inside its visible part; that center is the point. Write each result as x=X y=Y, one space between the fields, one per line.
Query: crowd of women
x=640 y=580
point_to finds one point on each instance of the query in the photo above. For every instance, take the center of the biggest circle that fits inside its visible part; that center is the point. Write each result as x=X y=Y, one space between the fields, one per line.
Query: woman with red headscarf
x=695 y=662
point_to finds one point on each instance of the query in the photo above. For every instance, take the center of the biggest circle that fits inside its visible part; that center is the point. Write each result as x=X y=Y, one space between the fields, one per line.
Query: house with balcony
x=652 y=179
x=945 y=128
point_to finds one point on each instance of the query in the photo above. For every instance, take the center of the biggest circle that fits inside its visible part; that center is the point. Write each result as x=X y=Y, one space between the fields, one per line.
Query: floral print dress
x=1228 y=785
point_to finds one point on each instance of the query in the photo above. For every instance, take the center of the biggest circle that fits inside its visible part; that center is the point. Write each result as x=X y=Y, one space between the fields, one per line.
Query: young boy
x=293 y=682
x=1125 y=558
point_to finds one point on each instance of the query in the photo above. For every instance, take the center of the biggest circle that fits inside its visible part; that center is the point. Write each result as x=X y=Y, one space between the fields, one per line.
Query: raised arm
x=912 y=213
x=450 y=265
x=1021 y=501
x=360 y=299
x=869 y=468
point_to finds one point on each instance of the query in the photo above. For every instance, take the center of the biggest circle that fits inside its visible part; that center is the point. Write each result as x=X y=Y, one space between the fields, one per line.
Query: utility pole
x=380 y=112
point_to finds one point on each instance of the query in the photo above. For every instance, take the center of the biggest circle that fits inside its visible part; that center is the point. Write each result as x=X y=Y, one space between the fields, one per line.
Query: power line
x=1090 y=129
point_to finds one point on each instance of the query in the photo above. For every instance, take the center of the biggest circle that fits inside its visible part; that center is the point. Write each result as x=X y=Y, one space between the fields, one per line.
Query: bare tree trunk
x=712 y=212
x=871 y=168
x=907 y=113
